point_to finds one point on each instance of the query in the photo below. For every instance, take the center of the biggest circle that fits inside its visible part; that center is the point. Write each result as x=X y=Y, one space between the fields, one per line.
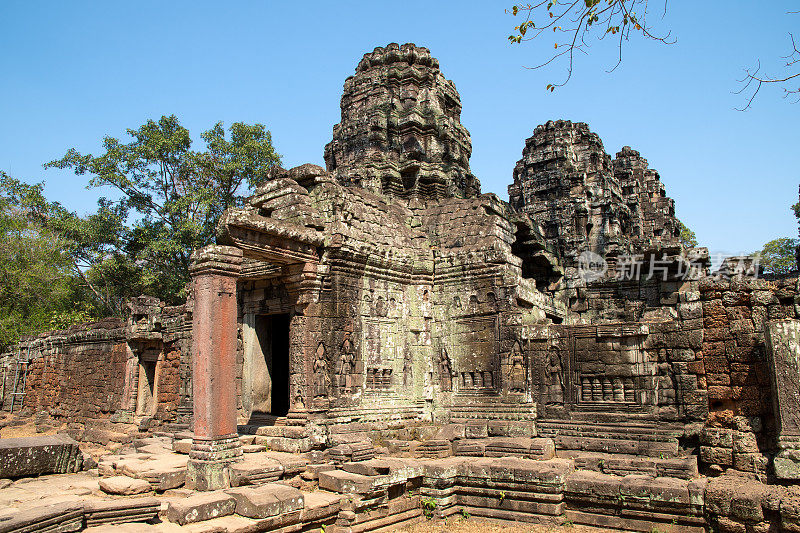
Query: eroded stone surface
x=266 y=500
x=200 y=507
x=34 y=456
x=124 y=485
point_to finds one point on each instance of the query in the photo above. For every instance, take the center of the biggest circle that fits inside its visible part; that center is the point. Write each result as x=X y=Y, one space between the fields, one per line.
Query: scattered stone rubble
x=376 y=343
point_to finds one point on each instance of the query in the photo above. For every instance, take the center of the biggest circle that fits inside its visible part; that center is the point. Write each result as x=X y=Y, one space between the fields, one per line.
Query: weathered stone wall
x=77 y=373
x=741 y=412
x=95 y=371
x=409 y=316
x=169 y=379
x=401 y=133
x=404 y=286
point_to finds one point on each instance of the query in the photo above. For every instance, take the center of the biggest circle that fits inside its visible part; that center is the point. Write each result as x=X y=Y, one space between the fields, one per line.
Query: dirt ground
x=26 y=430
x=456 y=524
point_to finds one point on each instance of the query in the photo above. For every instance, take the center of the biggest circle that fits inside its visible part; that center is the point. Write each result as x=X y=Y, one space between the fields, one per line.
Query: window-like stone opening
x=535 y=263
x=554 y=318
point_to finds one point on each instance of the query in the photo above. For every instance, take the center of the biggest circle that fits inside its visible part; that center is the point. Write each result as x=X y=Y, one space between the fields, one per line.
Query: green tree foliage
x=58 y=268
x=169 y=201
x=92 y=245
x=37 y=285
x=778 y=256
x=687 y=237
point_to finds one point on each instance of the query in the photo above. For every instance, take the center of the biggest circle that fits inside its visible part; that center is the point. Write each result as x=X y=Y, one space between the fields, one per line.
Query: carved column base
x=787 y=461
x=209 y=459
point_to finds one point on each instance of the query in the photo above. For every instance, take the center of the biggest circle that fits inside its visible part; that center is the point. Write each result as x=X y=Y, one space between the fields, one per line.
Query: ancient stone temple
x=376 y=341
x=392 y=287
x=584 y=200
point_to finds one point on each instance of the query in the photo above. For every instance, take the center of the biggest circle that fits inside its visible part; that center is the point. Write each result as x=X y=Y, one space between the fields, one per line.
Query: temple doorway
x=266 y=367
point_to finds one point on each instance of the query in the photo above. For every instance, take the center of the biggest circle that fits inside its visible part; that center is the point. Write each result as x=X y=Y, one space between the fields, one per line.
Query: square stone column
x=783 y=351
x=214 y=271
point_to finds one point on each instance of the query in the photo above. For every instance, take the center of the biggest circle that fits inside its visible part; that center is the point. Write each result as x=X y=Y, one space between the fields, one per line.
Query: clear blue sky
x=75 y=71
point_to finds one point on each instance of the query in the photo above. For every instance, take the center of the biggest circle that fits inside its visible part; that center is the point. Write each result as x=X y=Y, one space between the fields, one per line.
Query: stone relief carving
x=446 y=373
x=320 y=373
x=516 y=372
x=408 y=368
x=554 y=376
x=345 y=367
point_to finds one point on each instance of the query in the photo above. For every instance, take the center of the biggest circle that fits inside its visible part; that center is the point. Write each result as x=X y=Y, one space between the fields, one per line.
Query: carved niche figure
x=320 y=373
x=408 y=369
x=554 y=375
x=380 y=307
x=446 y=373
x=666 y=385
x=346 y=366
x=299 y=402
x=516 y=372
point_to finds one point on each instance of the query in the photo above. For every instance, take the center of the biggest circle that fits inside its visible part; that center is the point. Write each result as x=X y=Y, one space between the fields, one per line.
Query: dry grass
x=457 y=524
x=25 y=430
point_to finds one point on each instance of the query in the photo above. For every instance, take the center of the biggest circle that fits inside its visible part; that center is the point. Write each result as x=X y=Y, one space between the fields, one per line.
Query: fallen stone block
x=397 y=446
x=163 y=472
x=120 y=511
x=200 y=507
x=267 y=500
x=128 y=527
x=470 y=447
x=354 y=451
x=350 y=483
x=594 y=485
x=35 y=456
x=476 y=430
x=312 y=471
x=320 y=505
x=182 y=446
x=255 y=469
x=124 y=485
x=62 y=518
x=105 y=436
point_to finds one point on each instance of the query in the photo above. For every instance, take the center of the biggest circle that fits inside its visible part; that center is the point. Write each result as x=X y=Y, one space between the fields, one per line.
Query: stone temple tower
x=400 y=134
x=585 y=201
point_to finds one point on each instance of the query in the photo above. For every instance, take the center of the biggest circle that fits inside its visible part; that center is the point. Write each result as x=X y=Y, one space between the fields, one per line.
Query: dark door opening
x=273 y=336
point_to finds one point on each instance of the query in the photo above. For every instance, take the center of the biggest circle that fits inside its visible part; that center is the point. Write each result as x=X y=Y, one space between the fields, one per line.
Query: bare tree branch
x=752 y=81
x=574 y=21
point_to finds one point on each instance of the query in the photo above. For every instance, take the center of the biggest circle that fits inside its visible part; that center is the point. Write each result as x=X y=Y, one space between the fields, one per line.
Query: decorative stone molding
x=216 y=259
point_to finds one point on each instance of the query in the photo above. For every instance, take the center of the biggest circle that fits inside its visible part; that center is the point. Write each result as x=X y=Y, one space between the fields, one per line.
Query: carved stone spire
x=400 y=134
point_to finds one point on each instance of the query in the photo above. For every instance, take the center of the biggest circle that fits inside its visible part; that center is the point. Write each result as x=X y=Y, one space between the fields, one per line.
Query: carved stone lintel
x=215 y=259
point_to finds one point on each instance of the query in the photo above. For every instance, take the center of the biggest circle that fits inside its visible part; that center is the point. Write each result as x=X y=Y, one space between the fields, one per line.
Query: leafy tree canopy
x=58 y=268
x=687 y=237
x=778 y=256
x=170 y=201
x=37 y=287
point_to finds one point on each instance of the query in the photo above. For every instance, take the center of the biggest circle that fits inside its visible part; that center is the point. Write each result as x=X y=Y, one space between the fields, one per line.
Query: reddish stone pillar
x=214 y=271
